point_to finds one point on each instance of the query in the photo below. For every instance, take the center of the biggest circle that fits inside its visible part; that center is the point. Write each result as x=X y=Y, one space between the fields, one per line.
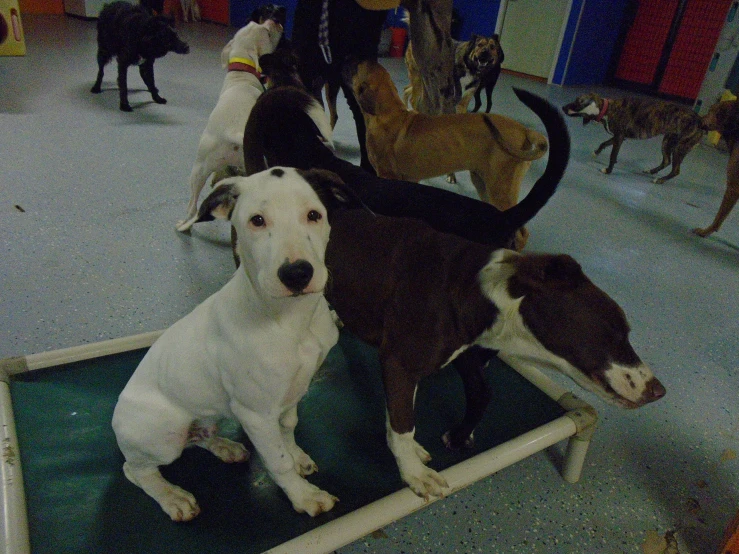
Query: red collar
x=603 y=110
x=240 y=66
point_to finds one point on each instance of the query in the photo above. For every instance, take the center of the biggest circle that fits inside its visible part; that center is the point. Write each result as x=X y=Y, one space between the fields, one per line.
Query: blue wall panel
x=567 y=40
x=477 y=17
x=595 y=42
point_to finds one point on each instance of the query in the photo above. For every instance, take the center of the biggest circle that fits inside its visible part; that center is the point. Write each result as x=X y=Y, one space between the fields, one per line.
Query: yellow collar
x=245 y=61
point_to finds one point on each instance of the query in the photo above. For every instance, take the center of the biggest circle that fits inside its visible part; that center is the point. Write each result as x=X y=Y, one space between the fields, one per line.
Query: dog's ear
x=332 y=191
x=561 y=271
x=220 y=203
x=366 y=99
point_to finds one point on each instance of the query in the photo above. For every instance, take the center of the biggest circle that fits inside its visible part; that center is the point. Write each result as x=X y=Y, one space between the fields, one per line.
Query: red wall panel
x=645 y=41
x=694 y=46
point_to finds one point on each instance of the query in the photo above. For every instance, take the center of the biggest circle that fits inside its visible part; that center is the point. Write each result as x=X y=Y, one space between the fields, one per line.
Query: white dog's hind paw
x=178 y=504
x=227 y=450
x=314 y=501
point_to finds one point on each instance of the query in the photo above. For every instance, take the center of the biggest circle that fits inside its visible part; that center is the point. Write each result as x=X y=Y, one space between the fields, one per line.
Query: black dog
x=280 y=68
x=134 y=36
x=280 y=132
x=155 y=7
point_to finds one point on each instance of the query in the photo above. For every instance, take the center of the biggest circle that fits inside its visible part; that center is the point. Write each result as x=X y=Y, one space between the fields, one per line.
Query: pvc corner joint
x=582 y=414
x=12 y=366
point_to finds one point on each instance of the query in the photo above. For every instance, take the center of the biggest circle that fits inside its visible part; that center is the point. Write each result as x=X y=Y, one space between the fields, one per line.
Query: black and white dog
x=134 y=36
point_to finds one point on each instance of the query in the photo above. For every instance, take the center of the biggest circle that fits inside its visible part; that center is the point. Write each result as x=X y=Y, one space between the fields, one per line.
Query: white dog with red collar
x=221 y=144
x=248 y=352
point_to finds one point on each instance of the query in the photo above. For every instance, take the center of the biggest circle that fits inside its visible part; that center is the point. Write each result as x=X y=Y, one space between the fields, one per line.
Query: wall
x=41 y=7
x=477 y=17
x=590 y=42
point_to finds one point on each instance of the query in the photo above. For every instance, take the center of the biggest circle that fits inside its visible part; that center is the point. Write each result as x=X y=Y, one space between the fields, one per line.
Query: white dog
x=248 y=352
x=221 y=144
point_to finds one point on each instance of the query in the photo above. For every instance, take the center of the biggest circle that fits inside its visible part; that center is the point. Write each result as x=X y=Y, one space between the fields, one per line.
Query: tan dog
x=407 y=145
x=724 y=118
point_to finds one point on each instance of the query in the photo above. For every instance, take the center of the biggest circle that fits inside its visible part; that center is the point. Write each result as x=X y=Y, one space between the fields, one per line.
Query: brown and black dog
x=426 y=299
x=724 y=118
x=641 y=118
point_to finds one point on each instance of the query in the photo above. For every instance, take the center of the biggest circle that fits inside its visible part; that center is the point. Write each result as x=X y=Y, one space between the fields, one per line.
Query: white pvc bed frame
x=577 y=424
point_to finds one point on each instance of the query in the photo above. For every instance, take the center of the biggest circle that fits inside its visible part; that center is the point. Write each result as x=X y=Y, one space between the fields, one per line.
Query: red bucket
x=397 y=41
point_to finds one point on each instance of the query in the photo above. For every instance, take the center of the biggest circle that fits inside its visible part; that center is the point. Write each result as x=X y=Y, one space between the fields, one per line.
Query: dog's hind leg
x=730 y=196
x=669 y=143
x=198 y=176
x=146 y=70
x=176 y=502
x=470 y=366
x=205 y=436
x=103 y=58
x=213 y=155
x=677 y=156
x=123 y=86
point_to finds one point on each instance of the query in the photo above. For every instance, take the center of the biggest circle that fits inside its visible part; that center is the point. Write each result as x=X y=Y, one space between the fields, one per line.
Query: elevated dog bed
x=78 y=500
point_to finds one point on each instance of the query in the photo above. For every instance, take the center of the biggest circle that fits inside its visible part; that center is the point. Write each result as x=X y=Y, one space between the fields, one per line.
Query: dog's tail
x=282 y=111
x=559 y=155
x=535 y=146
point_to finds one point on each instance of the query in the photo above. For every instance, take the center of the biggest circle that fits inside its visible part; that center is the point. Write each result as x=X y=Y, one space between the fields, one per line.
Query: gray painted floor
x=88 y=201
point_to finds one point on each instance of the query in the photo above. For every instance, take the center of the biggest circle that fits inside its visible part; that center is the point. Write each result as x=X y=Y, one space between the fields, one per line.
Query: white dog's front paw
x=227 y=450
x=421 y=452
x=178 y=504
x=424 y=481
x=304 y=464
x=313 y=501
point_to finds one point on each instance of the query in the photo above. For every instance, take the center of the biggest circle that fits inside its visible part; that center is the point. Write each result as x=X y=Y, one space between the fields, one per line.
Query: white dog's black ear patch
x=220 y=203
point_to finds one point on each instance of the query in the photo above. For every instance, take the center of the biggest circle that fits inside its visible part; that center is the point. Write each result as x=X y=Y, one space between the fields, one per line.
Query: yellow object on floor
x=715 y=136
x=12 y=42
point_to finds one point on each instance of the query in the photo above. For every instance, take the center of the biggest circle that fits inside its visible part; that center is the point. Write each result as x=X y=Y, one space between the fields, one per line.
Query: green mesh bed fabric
x=79 y=501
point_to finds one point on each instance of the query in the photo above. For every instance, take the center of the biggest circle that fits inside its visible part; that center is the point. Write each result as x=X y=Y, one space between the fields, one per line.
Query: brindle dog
x=641 y=118
x=724 y=118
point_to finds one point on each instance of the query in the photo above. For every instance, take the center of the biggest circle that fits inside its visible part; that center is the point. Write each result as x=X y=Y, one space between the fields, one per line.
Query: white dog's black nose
x=295 y=276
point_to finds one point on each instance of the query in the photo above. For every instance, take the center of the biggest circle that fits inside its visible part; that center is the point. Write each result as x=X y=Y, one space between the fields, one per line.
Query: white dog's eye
x=257 y=221
x=313 y=215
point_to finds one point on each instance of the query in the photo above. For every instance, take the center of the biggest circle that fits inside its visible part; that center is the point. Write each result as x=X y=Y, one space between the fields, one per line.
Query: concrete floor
x=89 y=199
